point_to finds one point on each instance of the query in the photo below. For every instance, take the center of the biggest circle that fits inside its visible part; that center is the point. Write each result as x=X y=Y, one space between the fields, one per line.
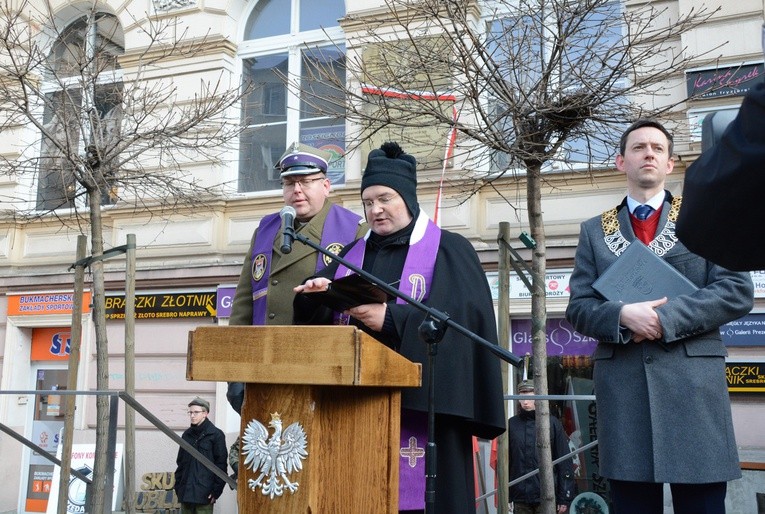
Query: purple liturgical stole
x=411 y=453
x=339 y=229
x=417 y=274
x=416 y=279
x=261 y=265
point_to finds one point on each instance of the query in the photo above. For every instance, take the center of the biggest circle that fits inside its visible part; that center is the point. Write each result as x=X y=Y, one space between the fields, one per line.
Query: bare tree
x=538 y=86
x=102 y=126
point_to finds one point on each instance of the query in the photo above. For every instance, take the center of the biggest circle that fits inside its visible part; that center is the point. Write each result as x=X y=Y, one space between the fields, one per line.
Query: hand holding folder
x=639 y=275
x=351 y=291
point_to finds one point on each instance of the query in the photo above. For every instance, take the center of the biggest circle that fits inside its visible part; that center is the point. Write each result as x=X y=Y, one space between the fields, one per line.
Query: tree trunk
x=539 y=337
x=102 y=351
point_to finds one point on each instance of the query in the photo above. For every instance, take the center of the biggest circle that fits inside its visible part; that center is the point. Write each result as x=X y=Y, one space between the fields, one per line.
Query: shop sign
x=164 y=305
x=51 y=343
x=745 y=377
x=37 y=304
x=157 y=494
x=562 y=339
x=721 y=82
x=556 y=285
x=225 y=300
x=746 y=331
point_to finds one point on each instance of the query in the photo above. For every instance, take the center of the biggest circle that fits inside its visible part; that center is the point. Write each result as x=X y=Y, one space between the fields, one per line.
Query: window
x=594 y=52
x=71 y=94
x=290 y=41
x=556 y=54
x=708 y=124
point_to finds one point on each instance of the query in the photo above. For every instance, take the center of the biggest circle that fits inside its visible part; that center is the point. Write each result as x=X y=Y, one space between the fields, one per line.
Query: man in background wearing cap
x=196 y=486
x=522 y=436
x=264 y=294
x=441 y=270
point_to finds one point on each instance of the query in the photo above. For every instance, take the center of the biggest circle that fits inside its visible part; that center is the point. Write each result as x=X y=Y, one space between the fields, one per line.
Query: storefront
x=35 y=357
x=38 y=337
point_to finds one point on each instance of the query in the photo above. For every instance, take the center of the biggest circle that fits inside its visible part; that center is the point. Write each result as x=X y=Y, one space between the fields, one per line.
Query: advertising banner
x=83 y=456
x=36 y=304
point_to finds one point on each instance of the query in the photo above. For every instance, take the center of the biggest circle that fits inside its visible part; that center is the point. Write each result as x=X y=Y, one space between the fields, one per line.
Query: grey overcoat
x=663 y=407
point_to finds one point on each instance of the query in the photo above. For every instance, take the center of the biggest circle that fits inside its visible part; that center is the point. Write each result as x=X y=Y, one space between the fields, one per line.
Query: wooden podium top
x=286 y=354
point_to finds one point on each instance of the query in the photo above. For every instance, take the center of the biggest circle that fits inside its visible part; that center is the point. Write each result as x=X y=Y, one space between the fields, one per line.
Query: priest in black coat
x=441 y=269
x=721 y=217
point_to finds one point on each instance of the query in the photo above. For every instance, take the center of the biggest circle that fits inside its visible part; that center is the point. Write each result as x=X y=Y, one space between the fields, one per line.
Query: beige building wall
x=201 y=249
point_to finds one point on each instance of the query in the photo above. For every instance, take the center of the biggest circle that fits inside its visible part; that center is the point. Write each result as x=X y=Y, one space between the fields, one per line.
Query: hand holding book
x=347 y=292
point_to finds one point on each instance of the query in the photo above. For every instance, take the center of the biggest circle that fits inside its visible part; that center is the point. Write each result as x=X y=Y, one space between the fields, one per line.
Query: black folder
x=351 y=291
x=639 y=275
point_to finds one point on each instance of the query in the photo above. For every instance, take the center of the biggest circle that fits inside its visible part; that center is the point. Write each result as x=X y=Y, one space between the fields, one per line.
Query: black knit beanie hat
x=390 y=166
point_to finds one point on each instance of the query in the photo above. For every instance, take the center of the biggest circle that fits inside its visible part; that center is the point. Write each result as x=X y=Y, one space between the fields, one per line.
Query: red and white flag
x=448 y=154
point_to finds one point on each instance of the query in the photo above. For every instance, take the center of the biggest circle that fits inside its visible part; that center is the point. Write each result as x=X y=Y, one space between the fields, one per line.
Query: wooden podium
x=342 y=387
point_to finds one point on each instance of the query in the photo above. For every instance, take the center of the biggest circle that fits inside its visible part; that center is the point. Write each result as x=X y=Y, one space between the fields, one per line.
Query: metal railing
x=111 y=444
x=554 y=397
x=151 y=418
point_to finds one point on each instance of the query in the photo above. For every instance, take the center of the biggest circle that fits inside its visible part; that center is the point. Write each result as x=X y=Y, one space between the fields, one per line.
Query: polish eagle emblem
x=274 y=457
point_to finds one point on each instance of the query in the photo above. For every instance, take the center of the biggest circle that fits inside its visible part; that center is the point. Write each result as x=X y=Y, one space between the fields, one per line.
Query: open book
x=350 y=291
x=639 y=275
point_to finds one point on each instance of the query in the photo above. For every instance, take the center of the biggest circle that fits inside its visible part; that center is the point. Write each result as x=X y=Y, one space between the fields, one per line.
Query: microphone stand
x=431 y=331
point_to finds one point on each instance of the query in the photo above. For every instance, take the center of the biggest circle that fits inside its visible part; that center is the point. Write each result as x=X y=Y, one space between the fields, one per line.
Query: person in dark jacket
x=522 y=435
x=727 y=180
x=442 y=270
x=196 y=486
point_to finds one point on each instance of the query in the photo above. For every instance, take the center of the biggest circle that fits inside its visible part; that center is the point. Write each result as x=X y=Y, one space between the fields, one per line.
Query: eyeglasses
x=382 y=201
x=195 y=412
x=304 y=182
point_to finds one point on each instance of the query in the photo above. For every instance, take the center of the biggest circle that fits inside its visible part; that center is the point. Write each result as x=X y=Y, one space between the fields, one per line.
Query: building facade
x=189 y=259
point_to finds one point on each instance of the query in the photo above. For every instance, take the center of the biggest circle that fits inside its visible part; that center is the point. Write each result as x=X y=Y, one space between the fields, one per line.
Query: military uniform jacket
x=287 y=271
x=663 y=410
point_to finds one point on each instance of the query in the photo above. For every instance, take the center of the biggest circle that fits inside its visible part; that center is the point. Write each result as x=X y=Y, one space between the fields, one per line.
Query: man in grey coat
x=662 y=401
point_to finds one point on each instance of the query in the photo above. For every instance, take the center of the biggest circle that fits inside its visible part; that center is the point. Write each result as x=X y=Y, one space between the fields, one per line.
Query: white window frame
x=51 y=86
x=494 y=11
x=293 y=44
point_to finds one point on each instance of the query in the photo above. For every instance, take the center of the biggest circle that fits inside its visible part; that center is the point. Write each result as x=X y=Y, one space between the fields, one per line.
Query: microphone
x=288 y=232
